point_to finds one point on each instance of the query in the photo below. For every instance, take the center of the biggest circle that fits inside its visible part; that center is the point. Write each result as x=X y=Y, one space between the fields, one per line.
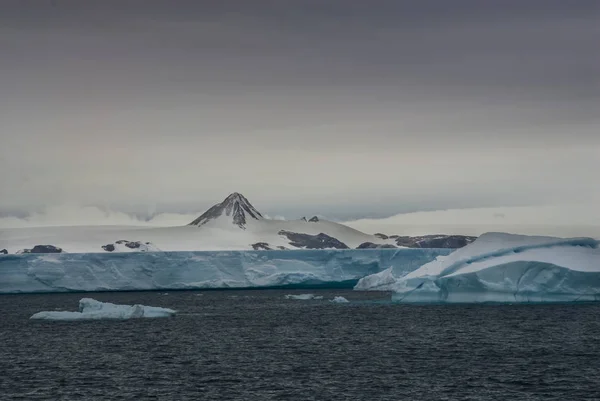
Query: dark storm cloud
x=406 y=105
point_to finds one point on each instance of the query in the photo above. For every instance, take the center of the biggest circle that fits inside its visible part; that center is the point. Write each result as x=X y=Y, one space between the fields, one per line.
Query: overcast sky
x=346 y=108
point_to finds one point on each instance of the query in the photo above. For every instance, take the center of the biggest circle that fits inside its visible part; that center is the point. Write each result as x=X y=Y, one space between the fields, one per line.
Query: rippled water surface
x=250 y=345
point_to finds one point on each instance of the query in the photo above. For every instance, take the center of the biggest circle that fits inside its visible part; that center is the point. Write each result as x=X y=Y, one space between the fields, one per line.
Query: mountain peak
x=235 y=206
x=236 y=196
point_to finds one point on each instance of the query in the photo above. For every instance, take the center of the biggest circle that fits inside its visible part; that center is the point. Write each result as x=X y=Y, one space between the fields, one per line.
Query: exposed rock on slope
x=434 y=241
x=319 y=241
x=370 y=245
x=235 y=206
x=130 y=246
x=261 y=246
x=42 y=249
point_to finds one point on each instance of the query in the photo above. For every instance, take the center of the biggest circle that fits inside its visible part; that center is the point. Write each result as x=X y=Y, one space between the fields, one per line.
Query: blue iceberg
x=502 y=268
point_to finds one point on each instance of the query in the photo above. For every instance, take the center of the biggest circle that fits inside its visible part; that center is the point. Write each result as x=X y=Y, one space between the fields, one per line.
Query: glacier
x=90 y=309
x=81 y=272
x=503 y=268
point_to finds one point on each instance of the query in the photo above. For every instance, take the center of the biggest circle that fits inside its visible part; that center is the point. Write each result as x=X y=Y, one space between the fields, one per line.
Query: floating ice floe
x=303 y=297
x=339 y=300
x=90 y=309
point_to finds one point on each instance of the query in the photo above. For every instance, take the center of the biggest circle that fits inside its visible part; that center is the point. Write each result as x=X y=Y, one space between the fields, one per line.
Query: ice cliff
x=62 y=272
x=501 y=267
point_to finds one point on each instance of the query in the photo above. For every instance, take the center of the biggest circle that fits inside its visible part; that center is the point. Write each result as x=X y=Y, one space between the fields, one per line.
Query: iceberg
x=503 y=268
x=90 y=309
x=339 y=300
x=67 y=272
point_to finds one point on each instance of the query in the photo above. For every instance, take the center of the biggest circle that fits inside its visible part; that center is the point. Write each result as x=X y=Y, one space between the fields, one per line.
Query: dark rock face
x=303 y=219
x=108 y=247
x=436 y=241
x=3 y=252
x=367 y=245
x=319 y=241
x=380 y=235
x=129 y=244
x=261 y=246
x=235 y=205
x=314 y=219
x=43 y=249
x=370 y=245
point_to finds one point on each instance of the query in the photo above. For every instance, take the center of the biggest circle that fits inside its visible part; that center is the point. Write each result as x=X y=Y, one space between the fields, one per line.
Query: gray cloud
x=345 y=108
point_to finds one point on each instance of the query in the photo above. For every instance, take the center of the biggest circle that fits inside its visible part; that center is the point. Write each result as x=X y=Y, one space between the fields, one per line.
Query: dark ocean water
x=256 y=345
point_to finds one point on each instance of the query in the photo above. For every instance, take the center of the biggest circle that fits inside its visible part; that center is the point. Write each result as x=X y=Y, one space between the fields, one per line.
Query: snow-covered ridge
x=501 y=268
x=466 y=256
x=90 y=309
x=195 y=270
x=233 y=224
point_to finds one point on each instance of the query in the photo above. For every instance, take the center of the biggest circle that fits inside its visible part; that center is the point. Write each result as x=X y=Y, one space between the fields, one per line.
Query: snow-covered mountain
x=233 y=224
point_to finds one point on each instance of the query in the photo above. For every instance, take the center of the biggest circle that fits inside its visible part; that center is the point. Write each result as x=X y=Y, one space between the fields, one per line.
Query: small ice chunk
x=303 y=297
x=90 y=309
x=339 y=300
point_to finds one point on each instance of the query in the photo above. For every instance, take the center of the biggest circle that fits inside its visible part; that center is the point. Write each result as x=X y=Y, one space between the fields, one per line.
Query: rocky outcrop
x=435 y=241
x=307 y=241
x=370 y=245
x=43 y=249
x=108 y=247
x=261 y=246
x=139 y=246
x=3 y=252
x=133 y=244
x=314 y=219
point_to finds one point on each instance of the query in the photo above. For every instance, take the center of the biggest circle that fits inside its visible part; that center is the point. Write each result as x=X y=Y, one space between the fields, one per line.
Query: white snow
x=189 y=270
x=213 y=236
x=339 y=300
x=502 y=268
x=90 y=309
x=303 y=297
x=233 y=224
